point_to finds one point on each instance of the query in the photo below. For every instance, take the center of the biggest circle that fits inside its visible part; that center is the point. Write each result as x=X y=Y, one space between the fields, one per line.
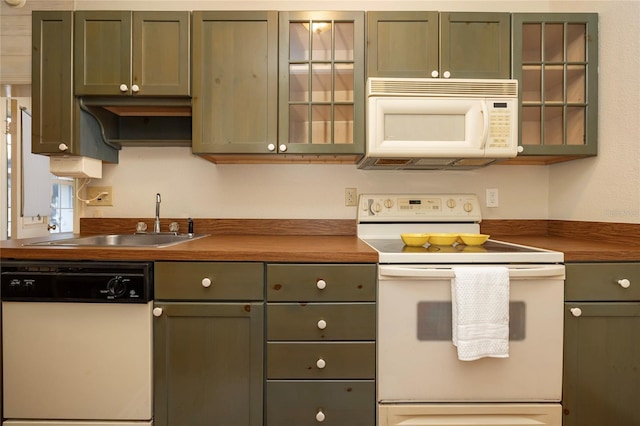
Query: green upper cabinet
x=321 y=84
x=431 y=44
x=59 y=125
x=132 y=53
x=235 y=80
x=555 y=59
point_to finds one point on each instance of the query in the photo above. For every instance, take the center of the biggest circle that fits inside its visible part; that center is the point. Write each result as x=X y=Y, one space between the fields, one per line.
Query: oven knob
x=468 y=207
x=388 y=203
x=116 y=286
x=377 y=208
x=451 y=203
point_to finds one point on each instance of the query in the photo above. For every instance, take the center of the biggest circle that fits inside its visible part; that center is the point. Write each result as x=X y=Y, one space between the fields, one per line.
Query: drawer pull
x=322 y=324
x=157 y=312
x=321 y=284
x=206 y=282
x=624 y=283
x=321 y=363
x=320 y=416
x=576 y=312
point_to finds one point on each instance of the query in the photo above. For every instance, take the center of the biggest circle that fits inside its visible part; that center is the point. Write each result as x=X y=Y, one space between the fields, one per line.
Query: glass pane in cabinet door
x=343 y=124
x=553 y=126
x=343 y=85
x=532 y=42
x=321 y=86
x=576 y=42
x=554 y=83
x=299 y=82
x=321 y=124
x=531 y=83
x=531 y=120
x=299 y=124
x=576 y=81
x=576 y=126
x=554 y=43
x=344 y=40
x=321 y=41
x=298 y=41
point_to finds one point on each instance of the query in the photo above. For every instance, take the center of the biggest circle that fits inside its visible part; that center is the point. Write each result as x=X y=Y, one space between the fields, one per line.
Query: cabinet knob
x=283 y=147
x=321 y=363
x=435 y=73
x=271 y=147
x=63 y=147
x=320 y=416
x=124 y=88
x=157 y=312
x=321 y=284
x=322 y=324
x=624 y=283
x=135 y=88
x=576 y=312
x=446 y=74
x=206 y=282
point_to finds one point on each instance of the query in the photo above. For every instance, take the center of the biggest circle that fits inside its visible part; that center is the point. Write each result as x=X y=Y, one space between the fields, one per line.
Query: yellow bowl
x=414 y=240
x=442 y=239
x=473 y=239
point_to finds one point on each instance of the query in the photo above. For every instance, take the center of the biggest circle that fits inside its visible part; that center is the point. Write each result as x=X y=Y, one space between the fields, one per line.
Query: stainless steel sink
x=123 y=240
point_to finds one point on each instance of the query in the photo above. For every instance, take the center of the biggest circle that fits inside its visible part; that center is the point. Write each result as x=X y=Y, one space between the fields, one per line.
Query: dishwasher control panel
x=93 y=282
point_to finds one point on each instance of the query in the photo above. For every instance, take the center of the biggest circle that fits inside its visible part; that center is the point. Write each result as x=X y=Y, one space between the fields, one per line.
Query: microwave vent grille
x=438 y=87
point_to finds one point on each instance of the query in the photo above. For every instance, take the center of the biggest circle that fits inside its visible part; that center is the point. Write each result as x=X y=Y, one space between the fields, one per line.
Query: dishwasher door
x=89 y=362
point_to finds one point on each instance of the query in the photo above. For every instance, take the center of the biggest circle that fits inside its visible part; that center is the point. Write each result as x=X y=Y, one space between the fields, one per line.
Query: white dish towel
x=480 y=312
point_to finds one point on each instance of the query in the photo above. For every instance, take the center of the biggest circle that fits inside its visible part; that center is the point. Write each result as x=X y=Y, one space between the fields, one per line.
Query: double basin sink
x=123 y=240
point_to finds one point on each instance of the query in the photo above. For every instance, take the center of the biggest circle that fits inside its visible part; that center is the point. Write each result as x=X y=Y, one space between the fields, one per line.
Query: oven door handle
x=515 y=272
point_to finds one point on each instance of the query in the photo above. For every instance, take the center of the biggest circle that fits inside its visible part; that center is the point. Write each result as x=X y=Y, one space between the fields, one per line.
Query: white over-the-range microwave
x=433 y=123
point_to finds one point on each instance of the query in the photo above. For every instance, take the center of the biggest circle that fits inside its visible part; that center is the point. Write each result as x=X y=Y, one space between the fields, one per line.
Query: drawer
x=339 y=403
x=602 y=281
x=321 y=321
x=321 y=282
x=209 y=281
x=338 y=360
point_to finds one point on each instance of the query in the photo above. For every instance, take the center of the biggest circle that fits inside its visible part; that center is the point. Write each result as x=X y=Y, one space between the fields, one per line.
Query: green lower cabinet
x=208 y=364
x=601 y=384
x=330 y=403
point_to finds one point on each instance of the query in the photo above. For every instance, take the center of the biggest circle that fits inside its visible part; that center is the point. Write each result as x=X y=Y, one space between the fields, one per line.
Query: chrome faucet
x=156 y=224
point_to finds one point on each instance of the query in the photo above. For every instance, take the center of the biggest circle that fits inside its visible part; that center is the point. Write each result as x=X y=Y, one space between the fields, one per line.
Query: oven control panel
x=419 y=208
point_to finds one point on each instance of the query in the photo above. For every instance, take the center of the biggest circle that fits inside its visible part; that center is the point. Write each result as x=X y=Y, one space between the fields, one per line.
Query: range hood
x=131 y=121
x=423 y=163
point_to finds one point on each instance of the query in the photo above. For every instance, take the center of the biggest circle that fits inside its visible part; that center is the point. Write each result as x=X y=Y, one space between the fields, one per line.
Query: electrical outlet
x=99 y=196
x=492 y=197
x=350 y=197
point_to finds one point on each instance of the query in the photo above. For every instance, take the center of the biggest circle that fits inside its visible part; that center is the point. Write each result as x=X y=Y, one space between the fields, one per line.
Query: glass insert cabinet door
x=555 y=61
x=321 y=82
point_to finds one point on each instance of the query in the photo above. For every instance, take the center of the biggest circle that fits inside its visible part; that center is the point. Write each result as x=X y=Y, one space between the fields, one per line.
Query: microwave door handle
x=485 y=123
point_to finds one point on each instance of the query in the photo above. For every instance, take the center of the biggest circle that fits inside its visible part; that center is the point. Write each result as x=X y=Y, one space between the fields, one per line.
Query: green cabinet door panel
x=208 y=364
x=601 y=383
x=430 y=44
x=235 y=73
x=132 y=53
x=52 y=100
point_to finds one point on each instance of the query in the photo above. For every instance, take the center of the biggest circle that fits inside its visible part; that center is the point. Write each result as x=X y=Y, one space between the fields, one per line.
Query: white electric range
x=421 y=378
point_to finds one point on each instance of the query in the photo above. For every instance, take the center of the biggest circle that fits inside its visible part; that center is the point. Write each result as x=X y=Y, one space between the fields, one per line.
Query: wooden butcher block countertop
x=326 y=240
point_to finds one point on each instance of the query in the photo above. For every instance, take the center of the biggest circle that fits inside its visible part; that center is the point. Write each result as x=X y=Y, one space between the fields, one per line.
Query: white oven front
x=418 y=368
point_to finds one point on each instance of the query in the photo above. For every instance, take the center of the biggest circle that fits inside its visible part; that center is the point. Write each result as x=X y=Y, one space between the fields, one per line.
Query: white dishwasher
x=77 y=343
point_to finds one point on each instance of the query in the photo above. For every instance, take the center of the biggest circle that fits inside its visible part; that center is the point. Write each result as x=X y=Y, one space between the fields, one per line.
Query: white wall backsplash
x=605 y=188
x=191 y=186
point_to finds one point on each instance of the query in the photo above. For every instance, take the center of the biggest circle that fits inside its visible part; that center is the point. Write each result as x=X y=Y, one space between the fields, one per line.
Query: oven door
x=417 y=361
